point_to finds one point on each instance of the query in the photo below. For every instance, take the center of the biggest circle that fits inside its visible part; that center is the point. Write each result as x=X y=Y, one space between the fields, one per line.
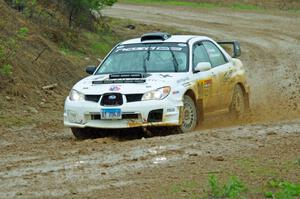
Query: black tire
x=82 y=133
x=238 y=104
x=189 y=115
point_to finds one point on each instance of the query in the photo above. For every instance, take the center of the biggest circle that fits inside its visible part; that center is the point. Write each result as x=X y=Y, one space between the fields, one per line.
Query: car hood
x=152 y=82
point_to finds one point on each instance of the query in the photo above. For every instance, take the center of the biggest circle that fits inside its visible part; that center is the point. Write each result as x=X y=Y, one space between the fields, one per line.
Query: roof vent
x=155 y=36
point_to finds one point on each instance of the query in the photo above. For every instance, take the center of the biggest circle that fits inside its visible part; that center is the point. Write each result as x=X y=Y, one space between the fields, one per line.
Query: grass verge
x=203 y=5
x=199 y=5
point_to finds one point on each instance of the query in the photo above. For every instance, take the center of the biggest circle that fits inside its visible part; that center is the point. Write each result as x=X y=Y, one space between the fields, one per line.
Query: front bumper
x=134 y=114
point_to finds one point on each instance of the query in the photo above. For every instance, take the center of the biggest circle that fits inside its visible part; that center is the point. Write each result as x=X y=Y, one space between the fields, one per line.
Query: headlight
x=157 y=94
x=76 y=96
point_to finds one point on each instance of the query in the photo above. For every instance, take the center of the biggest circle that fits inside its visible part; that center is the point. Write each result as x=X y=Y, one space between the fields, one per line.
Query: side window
x=199 y=54
x=216 y=56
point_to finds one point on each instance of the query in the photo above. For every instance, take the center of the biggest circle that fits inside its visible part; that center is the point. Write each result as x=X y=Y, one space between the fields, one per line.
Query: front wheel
x=189 y=115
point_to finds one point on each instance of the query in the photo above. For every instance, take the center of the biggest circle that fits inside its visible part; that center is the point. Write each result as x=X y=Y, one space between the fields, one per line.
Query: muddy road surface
x=45 y=160
x=43 y=163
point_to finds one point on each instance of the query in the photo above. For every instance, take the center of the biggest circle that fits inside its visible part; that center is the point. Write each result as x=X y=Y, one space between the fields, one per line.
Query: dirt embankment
x=37 y=62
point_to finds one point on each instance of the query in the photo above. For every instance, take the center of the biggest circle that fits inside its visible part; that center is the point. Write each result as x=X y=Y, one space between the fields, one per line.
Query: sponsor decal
x=115 y=88
x=112 y=97
x=171 y=110
x=175 y=92
x=228 y=75
x=205 y=87
x=166 y=75
x=153 y=48
x=207 y=83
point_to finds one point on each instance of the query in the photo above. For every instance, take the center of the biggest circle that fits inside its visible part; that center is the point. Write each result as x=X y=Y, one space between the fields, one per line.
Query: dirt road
x=45 y=161
x=51 y=163
x=270 y=44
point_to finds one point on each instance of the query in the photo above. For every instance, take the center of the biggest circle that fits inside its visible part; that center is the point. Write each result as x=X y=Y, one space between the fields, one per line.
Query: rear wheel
x=189 y=115
x=82 y=133
x=238 y=104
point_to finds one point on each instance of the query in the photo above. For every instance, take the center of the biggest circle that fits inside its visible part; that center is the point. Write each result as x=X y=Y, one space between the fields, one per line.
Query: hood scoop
x=128 y=75
x=124 y=78
x=120 y=81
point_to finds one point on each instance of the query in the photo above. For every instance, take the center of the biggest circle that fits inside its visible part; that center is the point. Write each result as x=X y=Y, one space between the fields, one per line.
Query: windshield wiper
x=147 y=58
x=175 y=62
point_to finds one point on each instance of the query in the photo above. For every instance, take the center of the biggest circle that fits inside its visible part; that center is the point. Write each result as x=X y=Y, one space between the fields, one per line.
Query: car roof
x=172 y=39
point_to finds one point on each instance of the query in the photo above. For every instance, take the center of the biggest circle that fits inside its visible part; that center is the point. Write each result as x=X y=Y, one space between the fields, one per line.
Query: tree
x=80 y=11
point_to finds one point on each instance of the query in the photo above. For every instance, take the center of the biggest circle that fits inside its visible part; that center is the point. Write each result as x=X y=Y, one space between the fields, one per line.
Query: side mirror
x=90 y=69
x=202 y=66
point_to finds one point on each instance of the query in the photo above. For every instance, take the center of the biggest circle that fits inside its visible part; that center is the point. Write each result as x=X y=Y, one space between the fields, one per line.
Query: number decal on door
x=205 y=87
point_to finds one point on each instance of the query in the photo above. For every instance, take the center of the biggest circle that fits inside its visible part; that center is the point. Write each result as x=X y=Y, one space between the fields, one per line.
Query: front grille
x=96 y=117
x=130 y=116
x=134 y=97
x=92 y=98
x=112 y=99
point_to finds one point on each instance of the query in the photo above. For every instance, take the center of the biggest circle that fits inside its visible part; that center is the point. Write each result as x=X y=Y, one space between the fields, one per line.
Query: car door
x=221 y=68
x=207 y=82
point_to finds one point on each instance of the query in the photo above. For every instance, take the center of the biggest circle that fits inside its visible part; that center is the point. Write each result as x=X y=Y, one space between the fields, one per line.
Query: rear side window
x=200 y=54
x=216 y=56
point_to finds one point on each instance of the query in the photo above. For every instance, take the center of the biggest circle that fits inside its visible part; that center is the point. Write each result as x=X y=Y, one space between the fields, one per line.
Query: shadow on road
x=131 y=134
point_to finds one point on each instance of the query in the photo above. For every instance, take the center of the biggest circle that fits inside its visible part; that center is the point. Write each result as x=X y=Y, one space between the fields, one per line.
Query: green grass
x=233 y=188
x=235 y=6
x=6 y=70
x=96 y=44
x=282 y=190
x=298 y=161
x=71 y=53
x=240 y=6
x=100 y=43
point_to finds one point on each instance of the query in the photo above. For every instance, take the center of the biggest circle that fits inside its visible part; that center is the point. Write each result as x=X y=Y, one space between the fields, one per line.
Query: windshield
x=142 y=58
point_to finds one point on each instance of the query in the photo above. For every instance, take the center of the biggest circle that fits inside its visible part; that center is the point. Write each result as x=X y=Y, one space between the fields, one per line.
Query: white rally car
x=158 y=80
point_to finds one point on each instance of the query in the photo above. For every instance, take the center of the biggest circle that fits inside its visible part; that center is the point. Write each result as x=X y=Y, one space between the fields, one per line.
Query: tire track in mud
x=270 y=44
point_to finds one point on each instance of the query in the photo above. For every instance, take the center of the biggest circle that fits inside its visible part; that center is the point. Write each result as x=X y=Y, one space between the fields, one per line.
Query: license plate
x=111 y=114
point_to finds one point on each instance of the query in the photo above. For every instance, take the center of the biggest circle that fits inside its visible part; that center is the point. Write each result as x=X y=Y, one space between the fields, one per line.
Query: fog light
x=73 y=117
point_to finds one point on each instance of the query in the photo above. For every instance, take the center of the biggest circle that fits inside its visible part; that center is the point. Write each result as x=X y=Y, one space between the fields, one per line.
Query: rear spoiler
x=236 y=47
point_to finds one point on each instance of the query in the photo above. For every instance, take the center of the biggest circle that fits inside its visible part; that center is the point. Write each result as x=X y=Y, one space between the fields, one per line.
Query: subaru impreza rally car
x=158 y=80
